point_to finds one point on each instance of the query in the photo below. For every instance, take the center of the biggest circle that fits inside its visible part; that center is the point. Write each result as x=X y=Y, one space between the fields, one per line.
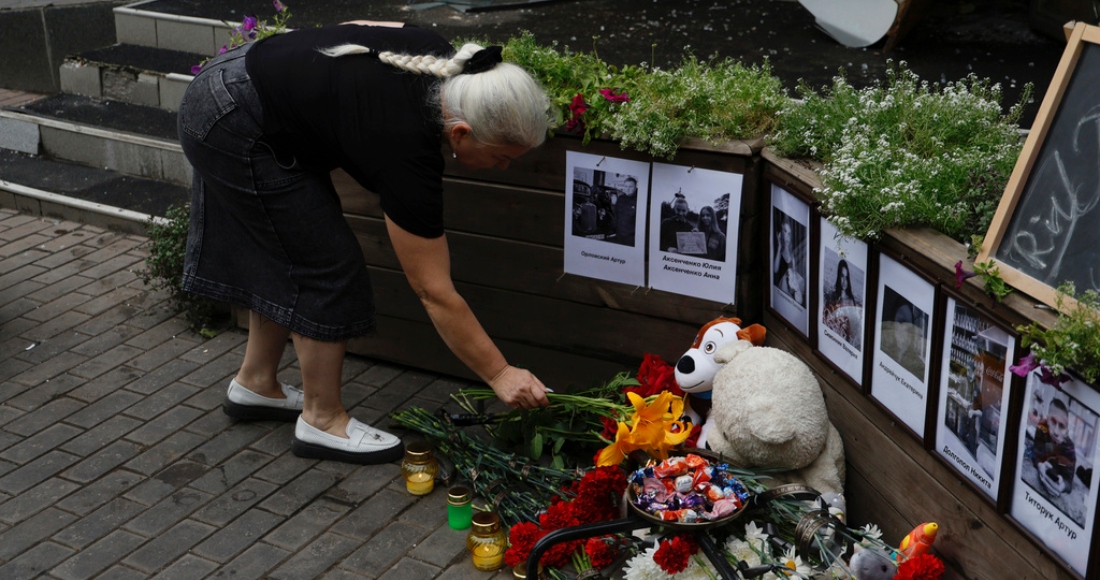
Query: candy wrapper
x=688 y=489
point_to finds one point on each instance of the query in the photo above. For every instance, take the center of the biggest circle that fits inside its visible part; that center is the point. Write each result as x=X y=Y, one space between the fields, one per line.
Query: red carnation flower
x=558 y=515
x=922 y=567
x=655 y=375
x=673 y=556
x=522 y=538
x=600 y=552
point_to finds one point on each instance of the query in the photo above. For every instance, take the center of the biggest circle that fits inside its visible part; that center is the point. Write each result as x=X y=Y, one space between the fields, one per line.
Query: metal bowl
x=714 y=459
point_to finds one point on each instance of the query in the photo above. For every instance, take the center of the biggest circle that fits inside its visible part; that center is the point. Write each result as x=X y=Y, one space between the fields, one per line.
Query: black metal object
x=628 y=524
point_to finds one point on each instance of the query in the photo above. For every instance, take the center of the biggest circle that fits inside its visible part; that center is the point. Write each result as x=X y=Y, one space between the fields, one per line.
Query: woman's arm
x=427 y=266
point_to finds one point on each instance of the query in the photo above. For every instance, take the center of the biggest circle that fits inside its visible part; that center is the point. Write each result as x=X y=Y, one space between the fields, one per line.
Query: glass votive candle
x=459 y=510
x=486 y=541
x=419 y=468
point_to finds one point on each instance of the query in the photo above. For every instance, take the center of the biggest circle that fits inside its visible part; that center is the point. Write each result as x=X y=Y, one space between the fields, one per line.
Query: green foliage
x=995 y=286
x=906 y=153
x=1074 y=339
x=164 y=271
x=651 y=111
x=563 y=435
x=716 y=101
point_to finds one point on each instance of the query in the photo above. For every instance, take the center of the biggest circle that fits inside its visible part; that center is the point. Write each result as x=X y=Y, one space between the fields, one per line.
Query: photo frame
x=789 y=259
x=842 y=304
x=1046 y=229
x=975 y=389
x=694 y=231
x=605 y=211
x=902 y=361
x=1054 y=493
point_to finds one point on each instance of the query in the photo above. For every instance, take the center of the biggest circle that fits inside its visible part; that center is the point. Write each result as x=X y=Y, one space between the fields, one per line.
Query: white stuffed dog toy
x=696 y=368
x=766 y=408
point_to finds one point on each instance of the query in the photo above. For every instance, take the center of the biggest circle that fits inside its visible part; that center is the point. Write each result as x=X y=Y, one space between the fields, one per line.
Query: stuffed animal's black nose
x=686 y=365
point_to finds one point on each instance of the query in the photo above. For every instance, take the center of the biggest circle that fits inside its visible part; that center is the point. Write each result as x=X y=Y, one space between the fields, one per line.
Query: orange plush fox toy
x=696 y=369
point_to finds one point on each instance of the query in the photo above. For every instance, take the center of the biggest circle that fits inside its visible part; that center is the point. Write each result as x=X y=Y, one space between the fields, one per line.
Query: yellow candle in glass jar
x=420 y=483
x=488 y=557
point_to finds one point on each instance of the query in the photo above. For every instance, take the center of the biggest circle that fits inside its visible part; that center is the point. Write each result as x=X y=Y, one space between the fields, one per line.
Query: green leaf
x=536 y=446
x=557 y=463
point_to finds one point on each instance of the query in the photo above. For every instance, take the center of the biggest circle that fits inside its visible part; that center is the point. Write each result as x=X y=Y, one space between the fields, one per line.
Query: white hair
x=503 y=105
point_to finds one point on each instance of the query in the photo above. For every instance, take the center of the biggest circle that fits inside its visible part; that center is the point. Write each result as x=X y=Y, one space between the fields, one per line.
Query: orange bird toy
x=919 y=541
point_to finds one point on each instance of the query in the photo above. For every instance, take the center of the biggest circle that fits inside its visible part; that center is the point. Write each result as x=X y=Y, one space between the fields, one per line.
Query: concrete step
x=50 y=188
x=140 y=75
x=131 y=139
x=144 y=24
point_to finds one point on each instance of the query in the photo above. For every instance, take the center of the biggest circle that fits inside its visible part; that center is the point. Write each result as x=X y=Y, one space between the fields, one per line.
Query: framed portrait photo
x=1053 y=493
x=975 y=387
x=605 y=203
x=842 y=301
x=900 y=369
x=789 y=266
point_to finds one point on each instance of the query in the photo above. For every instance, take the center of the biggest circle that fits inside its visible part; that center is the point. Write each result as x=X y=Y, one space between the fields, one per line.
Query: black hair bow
x=483 y=60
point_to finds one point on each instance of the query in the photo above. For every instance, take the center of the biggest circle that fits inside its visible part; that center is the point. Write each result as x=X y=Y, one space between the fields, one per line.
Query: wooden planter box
x=506 y=232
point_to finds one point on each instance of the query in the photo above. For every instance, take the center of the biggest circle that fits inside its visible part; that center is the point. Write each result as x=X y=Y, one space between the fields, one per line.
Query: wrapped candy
x=687 y=490
x=671 y=467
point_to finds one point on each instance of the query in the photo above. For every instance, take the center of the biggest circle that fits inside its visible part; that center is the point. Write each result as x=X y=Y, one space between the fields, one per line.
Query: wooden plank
x=544 y=168
x=936 y=254
x=793 y=173
x=592 y=331
x=538 y=270
x=505 y=211
x=417 y=344
x=974 y=538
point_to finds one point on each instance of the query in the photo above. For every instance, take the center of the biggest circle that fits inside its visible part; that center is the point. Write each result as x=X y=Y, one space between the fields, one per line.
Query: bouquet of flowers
x=625 y=414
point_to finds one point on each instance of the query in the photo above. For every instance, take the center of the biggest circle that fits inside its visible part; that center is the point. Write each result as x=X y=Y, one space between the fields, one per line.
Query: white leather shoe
x=245 y=405
x=364 y=444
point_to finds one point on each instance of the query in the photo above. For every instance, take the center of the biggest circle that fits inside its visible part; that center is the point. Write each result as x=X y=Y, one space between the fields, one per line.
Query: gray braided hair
x=503 y=105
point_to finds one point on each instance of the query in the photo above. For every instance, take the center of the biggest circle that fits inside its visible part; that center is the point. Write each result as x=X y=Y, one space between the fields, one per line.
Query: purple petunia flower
x=224 y=49
x=249 y=23
x=1052 y=379
x=961 y=275
x=1025 y=366
x=610 y=95
x=279 y=6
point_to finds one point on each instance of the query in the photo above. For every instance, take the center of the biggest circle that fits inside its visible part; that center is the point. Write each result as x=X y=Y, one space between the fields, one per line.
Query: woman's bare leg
x=266 y=344
x=322 y=365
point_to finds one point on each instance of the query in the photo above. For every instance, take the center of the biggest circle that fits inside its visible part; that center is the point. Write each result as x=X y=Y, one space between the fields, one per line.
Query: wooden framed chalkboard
x=1047 y=227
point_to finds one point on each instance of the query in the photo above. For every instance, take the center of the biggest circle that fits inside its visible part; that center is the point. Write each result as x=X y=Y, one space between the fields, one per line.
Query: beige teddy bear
x=768 y=411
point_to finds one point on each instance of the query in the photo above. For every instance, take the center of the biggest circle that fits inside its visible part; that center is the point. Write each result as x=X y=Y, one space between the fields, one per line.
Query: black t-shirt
x=355 y=112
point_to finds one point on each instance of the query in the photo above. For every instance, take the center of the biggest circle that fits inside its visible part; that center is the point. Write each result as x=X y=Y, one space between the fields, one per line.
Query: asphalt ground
x=948 y=40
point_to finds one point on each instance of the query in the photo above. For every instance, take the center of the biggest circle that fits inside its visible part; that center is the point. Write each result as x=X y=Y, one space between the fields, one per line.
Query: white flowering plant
x=905 y=152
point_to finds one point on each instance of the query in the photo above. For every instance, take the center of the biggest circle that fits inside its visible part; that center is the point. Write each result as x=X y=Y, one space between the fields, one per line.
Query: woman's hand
x=519 y=388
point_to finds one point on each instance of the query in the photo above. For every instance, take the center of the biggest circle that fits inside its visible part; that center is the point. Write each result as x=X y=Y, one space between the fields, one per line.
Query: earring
x=454 y=155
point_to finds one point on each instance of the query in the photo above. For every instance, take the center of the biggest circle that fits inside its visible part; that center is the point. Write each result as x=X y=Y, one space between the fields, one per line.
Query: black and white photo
x=789 y=250
x=606 y=200
x=693 y=231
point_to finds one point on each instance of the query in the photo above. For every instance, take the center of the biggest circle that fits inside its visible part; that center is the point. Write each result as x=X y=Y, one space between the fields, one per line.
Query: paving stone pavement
x=116 y=460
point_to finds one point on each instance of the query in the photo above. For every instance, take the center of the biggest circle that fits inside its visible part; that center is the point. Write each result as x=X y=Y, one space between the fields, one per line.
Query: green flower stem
x=518 y=489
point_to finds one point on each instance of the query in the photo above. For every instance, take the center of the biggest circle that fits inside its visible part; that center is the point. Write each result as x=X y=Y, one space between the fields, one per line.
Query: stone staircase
x=104 y=150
